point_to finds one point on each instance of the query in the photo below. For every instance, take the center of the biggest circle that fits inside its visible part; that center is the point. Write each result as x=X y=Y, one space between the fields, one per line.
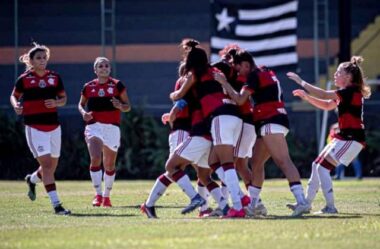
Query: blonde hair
x=100 y=59
x=27 y=57
x=357 y=76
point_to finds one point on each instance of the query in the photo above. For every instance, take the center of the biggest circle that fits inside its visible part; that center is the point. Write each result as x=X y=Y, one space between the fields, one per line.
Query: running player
x=350 y=140
x=36 y=95
x=102 y=99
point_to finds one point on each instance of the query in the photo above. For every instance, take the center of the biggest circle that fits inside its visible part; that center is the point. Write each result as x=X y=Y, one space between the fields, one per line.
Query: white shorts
x=344 y=152
x=43 y=142
x=196 y=150
x=246 y=141
x=270 y=128
x=108 y=133
x=226 y=129
x=175 y=139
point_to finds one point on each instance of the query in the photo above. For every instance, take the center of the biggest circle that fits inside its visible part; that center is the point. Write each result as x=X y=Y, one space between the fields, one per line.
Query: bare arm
x=87 y=116
x=239 y=98
x=180 y=93
x=313 y=90
x=14 y=99
x=122 y=105
x=319 y=103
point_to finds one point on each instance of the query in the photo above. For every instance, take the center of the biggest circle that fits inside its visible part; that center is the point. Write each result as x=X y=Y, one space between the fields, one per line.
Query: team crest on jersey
x=110 y=90
x=32 y=82
x=101 y=92
x=40 y=148
x=42 y=84
x=51 y=81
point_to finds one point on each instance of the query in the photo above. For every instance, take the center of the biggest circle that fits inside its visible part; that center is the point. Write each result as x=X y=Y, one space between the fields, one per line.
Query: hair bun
x=356 y=60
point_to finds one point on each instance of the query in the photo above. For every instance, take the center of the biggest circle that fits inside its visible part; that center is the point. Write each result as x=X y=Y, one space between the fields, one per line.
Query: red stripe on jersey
x=211 y=102
x=44 y=127
x=106 y=117
x=348 y=121
x=36 y=107
x=267 y=110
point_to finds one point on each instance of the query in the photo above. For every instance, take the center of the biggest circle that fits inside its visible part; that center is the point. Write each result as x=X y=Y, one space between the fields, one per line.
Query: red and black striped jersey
x=200 y=126
x=350 y=114
x=35 y=90
x=246 y=109
x=267 y=97
x=213 y=100
x=183 y=119
x=99 y=100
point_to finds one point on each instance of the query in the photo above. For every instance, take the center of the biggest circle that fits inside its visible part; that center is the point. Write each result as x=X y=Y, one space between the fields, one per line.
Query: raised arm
x=239 y=98
x=319 y=103
x=180 y=93
x=313 y=90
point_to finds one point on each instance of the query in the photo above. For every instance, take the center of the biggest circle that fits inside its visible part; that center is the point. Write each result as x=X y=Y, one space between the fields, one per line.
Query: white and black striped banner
x=267 y=30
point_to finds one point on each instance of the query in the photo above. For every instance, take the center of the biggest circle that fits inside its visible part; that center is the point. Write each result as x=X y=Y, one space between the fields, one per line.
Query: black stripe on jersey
x=182 y=124
x=40 y=93
x=266 y=94
x=355 y=111
x=352 y=134
x=280 y=119
x=100 y=104
x=42 y=118
x=226 y=109
x=207 y=88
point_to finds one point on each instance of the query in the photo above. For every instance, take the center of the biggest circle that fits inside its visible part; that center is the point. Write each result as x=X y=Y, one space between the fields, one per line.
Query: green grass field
x=26 y=224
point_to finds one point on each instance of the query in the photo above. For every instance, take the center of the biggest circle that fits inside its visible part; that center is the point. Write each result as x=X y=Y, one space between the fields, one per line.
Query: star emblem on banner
x=224 y=20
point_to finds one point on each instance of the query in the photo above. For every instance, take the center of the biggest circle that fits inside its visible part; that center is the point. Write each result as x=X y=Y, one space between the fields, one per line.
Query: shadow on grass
x=158 y=206
x=314 y=216
x=101 y=215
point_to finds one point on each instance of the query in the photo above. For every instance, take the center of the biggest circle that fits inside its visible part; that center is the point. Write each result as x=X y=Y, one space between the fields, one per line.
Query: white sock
x=232 y=182
x=220 y=173
x=109 y=178
x=313 y=183
x=34 y=178
x=202 y=191
x=158 y=190
x=185 y=184
x=54 y=199
x=96 y=178
x=298 y=193
x=326 y=185
x=216 y=193
x=254 y=193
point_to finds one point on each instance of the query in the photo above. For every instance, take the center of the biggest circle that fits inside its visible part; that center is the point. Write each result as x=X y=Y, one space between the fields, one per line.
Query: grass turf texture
x=26 y=224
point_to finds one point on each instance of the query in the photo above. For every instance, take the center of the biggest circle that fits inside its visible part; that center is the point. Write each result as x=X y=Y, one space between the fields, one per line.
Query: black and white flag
x=267 y=30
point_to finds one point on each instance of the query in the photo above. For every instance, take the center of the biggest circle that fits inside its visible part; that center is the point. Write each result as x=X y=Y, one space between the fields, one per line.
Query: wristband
x=180 y=104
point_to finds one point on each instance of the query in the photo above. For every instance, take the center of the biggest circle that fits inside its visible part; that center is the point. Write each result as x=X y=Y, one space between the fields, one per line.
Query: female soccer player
x=41 y=91
x=105 y=98
x=346 y=145
x=271 y=123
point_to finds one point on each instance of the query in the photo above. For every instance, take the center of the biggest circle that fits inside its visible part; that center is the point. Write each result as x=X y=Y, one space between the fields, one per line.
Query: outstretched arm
x=313 y=90
x=319 y=103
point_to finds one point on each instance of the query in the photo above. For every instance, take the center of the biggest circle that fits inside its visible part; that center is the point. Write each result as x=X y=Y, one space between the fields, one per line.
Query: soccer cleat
x=259 y=210
x=205 y=213
x=218 y=212
x=327 y=210
x=245 y=200
x=233 y=213
x=301 y=209
x=292 y=206
x=197 y=201
x=32 y=188
x=59 y=210
x=149 y=211
x=97 y=201
x=107 y=202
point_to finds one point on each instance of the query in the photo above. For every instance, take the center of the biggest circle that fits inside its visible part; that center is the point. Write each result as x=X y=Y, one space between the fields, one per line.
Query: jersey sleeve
x=60 y=87
x=19 y=86
x=120 y=87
